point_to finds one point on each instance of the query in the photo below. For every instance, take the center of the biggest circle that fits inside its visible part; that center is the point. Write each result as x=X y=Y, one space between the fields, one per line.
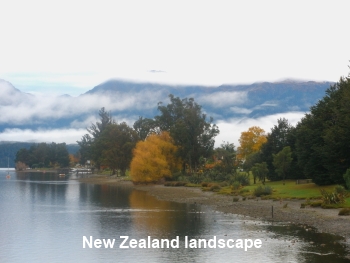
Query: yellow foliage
x=154 y=159
x=250 y=142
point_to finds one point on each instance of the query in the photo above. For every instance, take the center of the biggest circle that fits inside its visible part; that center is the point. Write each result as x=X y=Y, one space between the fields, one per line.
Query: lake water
x=44 y=219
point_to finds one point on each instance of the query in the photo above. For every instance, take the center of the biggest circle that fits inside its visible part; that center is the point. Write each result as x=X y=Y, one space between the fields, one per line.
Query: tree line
x=318 y=147
x=43 y=155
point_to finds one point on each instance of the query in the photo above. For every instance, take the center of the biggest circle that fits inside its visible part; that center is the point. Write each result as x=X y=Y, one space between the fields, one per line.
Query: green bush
x=242 y=178
x=347 y=178
x=195 y=179
x=262 y=190
x=215 y=175
x=334 y=197
x=244 y=190
x=340 y=190
x=223 y=184
x=236 y=185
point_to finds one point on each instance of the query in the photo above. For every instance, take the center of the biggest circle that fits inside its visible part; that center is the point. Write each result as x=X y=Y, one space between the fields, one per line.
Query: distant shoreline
x=324 y=220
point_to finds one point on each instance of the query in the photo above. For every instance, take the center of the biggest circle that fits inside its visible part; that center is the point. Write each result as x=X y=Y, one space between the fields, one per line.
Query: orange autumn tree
x=250 y=142
x=154 y=159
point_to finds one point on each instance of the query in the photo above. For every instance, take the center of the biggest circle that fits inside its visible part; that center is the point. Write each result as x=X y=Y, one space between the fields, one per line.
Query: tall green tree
x=193 y=134
x=280 y=136
x=282 y=162
x=250 y=161
x=227 y=154
x=260 y=171
x=144 y=127
x=115 y=144
x=88 y=151
x=322 y=137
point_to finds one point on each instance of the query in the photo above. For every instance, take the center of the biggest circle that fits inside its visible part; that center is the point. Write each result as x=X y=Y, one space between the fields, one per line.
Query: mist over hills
x=129 y=100
x=64 y=118
x=225 y=101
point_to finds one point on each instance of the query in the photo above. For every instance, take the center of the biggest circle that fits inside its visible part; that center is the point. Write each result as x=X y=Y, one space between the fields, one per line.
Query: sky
x=50 y=48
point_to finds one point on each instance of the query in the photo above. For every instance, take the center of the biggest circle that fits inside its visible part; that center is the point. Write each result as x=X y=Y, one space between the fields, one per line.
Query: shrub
x=344 y=212
x=347 y=178
x=223 y=184
x=195 y=179
x=340 y=190
x=244 y=190
x=214 y=175
x=215 y=187
x=178 y=176
x=316 y=203
x=236 y=185
x=204 y=184
x=242 y=178
x=334 y=197
x=262 y=190
x=21 y=166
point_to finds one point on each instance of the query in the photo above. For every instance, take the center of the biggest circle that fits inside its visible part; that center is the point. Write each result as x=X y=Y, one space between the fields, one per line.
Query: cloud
x=231 y=130
x=68 y=136
x=240 y=110
x=223 y=98
x=156 y=71
x=17 y=108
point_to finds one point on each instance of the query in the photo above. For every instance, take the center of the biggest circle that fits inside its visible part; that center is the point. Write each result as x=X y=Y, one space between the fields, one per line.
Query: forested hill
x=9 y=150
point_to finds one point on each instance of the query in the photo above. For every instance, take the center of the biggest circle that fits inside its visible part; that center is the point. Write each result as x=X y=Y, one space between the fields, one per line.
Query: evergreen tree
x=282 y=162
x=189 y=128
x=322 y=137
x=281 y=135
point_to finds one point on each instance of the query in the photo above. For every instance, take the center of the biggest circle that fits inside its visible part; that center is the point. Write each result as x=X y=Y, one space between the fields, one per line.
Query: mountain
x=225 y=101
x=129 y=100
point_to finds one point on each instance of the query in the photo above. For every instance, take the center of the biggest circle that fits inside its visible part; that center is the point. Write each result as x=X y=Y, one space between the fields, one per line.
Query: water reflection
x=160 y=217
x=44 y=218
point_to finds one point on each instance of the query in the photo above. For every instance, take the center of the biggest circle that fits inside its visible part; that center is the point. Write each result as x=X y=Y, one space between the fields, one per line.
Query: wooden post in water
x=272 y=211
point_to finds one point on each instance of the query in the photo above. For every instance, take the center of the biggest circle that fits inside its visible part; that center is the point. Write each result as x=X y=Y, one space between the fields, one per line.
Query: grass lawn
x=293 y=190
x=289 y=190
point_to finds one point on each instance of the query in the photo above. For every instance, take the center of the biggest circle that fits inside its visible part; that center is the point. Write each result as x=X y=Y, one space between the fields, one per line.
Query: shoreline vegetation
x=286 y=210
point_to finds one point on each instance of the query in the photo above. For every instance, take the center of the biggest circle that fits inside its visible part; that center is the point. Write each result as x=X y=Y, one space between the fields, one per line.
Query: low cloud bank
x=230 y=130
x=19 y=108
x=68 y=136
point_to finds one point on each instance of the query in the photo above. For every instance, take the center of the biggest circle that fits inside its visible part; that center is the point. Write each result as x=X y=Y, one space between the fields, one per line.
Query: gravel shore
x=324 y=220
